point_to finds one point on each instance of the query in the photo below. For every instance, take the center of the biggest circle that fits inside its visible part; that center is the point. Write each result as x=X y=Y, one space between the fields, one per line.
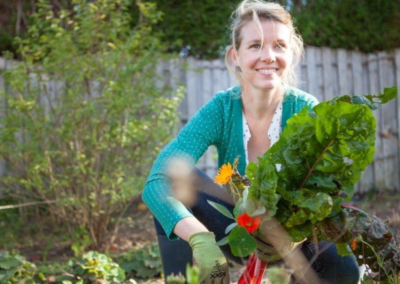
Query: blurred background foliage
x=80 y=130
x=199 y=28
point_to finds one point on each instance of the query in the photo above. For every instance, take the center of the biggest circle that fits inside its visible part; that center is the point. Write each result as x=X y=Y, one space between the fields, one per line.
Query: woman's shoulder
x=231 y=93
x=226 y=101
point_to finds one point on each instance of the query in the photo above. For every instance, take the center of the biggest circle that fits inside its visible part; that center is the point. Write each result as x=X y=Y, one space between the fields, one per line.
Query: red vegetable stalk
x=253 y=274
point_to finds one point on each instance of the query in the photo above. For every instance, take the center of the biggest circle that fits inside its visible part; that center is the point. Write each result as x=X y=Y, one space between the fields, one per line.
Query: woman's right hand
x=209 y=258
x=273 y=242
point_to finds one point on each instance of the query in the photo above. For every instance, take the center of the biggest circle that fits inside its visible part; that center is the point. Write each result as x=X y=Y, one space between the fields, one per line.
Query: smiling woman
x=242 y=121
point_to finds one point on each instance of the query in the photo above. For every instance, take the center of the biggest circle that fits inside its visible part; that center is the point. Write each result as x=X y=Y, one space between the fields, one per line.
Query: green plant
x=278 y=275
x=10 y=224
x=54 y=268
x=176 y=279
x=95 y=266
x=85 y=116
x=391 y=276
x=349 y=24
x=14 y=269
x=80 y=241
x=192 y=276
x=144 y=263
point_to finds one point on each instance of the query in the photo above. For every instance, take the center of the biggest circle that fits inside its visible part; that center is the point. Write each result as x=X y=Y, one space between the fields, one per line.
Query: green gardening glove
x=273 y=243
x=209 y=258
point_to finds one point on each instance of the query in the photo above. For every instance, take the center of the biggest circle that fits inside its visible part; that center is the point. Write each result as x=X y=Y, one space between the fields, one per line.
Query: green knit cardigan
x=218 y=123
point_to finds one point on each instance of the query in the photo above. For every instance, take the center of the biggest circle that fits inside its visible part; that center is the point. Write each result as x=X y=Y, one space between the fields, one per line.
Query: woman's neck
x=261 y=105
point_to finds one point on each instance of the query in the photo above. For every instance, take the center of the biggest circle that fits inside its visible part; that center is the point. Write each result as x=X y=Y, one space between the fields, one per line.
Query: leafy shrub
x=368 y=25
x=95 y=266
x=14 y=269
x=198 y=28
x=81 y=129
x=144 y=263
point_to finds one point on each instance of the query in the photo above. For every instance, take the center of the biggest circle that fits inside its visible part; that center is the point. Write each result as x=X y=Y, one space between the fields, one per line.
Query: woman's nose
x=267 y=55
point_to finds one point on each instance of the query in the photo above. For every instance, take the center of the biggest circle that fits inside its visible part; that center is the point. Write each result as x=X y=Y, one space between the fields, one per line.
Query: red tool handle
x=254 y=271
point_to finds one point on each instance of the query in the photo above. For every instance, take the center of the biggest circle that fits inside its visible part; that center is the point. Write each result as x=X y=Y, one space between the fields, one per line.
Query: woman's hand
x=209 y=258
x=273 y=243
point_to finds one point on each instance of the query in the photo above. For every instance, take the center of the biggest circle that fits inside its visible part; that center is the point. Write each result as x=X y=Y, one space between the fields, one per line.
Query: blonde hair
x=256 y=11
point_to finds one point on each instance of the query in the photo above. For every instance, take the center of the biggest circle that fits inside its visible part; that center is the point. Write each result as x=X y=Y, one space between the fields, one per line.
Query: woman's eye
x=280 y=46
x=256 y=46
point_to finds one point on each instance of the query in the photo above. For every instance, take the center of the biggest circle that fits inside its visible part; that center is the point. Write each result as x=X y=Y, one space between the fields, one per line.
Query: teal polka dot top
x=218 y=123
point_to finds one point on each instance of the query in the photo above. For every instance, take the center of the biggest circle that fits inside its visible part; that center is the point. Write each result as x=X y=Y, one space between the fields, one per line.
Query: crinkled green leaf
x=297 y=218
x=241 y=242
x=387 y=95
x=9 y=263
x=301 y=232
x=343 y=249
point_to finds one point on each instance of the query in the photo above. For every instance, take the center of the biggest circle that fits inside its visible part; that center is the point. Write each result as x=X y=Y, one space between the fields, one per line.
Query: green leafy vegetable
x=304 y=178
x=316 y=162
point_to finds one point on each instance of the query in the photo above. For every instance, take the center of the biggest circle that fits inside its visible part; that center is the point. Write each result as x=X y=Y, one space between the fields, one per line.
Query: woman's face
x=265 y=63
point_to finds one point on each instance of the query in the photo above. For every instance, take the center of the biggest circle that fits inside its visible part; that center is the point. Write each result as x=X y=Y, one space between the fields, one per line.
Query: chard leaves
x=303 y=178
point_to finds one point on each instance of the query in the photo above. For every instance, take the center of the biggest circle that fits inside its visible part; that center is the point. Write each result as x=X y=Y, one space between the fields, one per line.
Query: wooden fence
x=323 y=72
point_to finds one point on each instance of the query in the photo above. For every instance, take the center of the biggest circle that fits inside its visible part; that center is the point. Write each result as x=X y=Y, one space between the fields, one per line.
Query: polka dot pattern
x=218 y=123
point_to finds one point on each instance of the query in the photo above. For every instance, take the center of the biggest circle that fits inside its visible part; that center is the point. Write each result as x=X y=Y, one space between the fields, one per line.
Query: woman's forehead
x=253 y=31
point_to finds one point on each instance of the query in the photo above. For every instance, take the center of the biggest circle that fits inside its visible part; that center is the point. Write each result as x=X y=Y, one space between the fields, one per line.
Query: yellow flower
x=224 y=174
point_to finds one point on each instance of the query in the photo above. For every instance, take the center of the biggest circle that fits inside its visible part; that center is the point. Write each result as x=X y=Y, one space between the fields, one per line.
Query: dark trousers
x=327 y=264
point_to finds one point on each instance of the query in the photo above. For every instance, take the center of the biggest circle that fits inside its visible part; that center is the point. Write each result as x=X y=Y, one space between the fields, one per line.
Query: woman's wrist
x=187 y=227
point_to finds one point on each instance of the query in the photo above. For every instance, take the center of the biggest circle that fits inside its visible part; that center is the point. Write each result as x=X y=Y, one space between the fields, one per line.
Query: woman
x=242 y=121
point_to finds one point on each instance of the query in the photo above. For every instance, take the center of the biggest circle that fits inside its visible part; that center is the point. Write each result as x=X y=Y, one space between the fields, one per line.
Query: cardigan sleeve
x=203 y=129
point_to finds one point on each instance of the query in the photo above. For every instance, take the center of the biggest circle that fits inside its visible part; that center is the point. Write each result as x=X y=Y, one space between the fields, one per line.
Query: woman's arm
x=204 y=129
x=188 y=226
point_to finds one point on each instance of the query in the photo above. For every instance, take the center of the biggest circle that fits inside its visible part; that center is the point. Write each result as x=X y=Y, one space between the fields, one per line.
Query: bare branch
x=27 y=204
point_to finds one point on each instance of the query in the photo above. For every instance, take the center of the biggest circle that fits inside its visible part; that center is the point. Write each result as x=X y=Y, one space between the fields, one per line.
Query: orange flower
x=224 y=174
x=250 y=223
x=354 y=244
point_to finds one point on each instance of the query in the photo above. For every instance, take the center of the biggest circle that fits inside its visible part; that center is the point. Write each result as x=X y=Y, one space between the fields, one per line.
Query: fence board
x=310 y=84
x=329 y=74
x=397 y=133
x=373 y=79
x=342 y=71
x=357 y=67
x=191 y=87
x=387 y=79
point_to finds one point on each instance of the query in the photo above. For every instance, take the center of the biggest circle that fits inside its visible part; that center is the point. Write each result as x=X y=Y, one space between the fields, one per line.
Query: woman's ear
x=233 y=56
